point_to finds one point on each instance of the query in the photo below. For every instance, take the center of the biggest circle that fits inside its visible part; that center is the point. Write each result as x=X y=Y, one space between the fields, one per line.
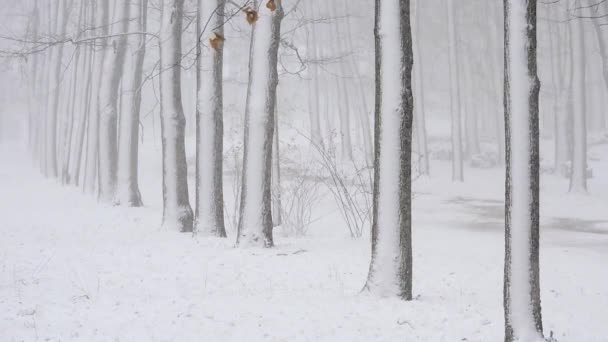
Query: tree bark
x=457 y=162
x=390 y=272
x=114 y=57
x=578 y=174
x=522 y=308
x=209 y=119
x=127 y=191
x=55 y=84
x=255 y=216
x=177 y=213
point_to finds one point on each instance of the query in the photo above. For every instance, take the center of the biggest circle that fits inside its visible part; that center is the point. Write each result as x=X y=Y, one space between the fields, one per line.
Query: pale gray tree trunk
x=85 y=107
x=127 y=185
x=209 y=119
x=113 y=65
x=562 y=76
x=497 y=57
x=420 y=116
x=277 y=218
x=35 y=109
x=255 y=216
x=578 y=174
x=314 y=107
x=177 y=213
x=92 y=153
x=457 y=160
x=522 y=308
x=55 y=85
x=390 y=272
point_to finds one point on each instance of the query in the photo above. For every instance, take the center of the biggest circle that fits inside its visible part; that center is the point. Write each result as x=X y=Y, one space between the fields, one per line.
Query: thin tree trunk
x=177 y=213
x=390 y=272
x=113 y=65
x=420 y=115
x=578 y=175
x=277 y=218
x=313 y=84
x=457 y=163
x=522 y=308
x=127 y=185
x=55 y=83
x=210 y=119
x=255 y=216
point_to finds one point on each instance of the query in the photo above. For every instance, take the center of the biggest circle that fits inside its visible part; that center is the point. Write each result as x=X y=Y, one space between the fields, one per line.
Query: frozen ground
x=73 y=270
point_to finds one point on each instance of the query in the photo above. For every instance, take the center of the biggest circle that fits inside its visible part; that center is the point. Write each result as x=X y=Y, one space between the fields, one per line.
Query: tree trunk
x=177 y=213
x=420 y=116
x=602 y=38
x=521 y=274
x=209 y=119
x=390 y=272
x=314 y=107
x=277 y=218
x=255 y=216
x=497 y=57
x=578 y=174
x=127 y=186
x=114 y=57
x=55 y=84
x=457 y=167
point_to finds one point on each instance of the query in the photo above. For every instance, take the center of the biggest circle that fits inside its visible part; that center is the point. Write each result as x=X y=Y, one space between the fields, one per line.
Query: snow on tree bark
x=177 y=213
x=390 y=272
x=127 y=185
x=521 y=274
x=209 y=119
x=114 y=56
x=255 y=216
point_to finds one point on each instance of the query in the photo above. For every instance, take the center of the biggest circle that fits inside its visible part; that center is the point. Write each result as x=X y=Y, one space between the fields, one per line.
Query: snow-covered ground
x=74 y=270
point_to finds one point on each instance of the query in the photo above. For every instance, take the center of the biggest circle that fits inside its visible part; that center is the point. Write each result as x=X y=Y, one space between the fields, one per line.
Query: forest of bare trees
x=246 y=120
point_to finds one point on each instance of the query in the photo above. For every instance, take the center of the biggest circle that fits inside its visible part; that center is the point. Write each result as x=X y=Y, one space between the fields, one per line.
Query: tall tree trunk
x=314 y=107
x=255 y=216
x=85 y=104
x=578 y=175
x=177 y=213
x=390 y=272
x=602 y=38
x=127 y=185
x=35 y=108
x=521 y=274
x=277 y=218
x=209 y=119
x=55 y=84
x=420 y=116
x=457 y=167
x=497 y=57
x=114 y=57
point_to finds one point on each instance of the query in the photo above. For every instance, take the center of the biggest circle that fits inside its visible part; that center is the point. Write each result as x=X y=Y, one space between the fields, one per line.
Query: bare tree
x=177 y=213
x=255 y=216
x=390 y=272
x=127 y=187
x=209 y=119
x=521 y=275
x=457 y=163
x=578 y=174
x=113 y=66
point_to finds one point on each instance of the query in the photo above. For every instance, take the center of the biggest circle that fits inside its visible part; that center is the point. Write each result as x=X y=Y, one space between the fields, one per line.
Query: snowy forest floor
x=72 y=269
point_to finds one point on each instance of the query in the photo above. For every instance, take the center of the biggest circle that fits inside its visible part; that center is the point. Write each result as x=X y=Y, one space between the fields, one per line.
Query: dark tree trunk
x=521 y=274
